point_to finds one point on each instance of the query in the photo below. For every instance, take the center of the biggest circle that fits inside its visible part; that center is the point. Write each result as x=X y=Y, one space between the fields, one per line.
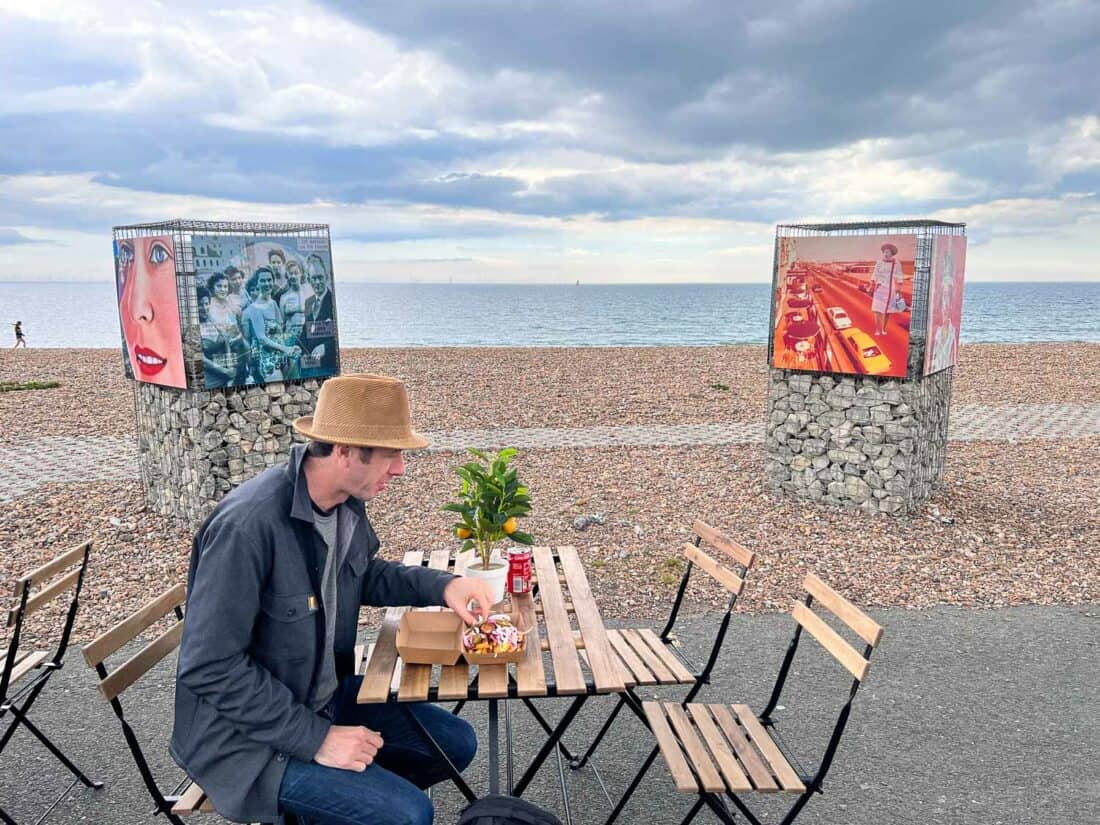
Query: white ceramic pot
x=496 y=576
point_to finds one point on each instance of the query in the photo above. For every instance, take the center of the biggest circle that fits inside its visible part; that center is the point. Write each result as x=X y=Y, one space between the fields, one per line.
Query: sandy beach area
x=1015 y=523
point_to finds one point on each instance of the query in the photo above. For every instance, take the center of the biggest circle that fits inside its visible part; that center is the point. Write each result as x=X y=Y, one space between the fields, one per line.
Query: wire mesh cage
x=924 y=232
x=194 y=266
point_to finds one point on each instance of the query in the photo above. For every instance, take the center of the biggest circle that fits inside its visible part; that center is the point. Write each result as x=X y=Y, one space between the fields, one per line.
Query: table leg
x=508 y=736
x=452 y=771
x=494 y=744
x=549 y=745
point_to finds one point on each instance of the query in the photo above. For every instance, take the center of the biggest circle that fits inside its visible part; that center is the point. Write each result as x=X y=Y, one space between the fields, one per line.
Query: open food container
x=430 y=637
x=483 y=631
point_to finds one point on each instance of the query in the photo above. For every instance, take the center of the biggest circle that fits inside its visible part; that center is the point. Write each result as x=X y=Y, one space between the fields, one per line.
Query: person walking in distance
x=19 y=339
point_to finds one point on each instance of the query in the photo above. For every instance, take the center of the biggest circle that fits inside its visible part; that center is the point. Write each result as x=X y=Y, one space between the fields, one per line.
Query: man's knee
x=463 y=745
x=416 y=809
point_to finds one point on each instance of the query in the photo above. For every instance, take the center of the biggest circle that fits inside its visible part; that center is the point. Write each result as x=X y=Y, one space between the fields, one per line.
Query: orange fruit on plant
x=510 y=525
x=463 y=532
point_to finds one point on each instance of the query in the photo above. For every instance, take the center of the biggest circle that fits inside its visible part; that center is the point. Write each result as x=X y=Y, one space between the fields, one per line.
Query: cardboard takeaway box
x=430 y=637
x=434 y=637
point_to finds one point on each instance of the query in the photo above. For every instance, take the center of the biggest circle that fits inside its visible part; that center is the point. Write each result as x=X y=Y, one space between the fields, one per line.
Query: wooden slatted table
x=568 y=653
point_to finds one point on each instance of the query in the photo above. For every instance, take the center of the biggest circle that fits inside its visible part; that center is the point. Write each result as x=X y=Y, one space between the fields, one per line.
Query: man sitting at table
x=266 y=718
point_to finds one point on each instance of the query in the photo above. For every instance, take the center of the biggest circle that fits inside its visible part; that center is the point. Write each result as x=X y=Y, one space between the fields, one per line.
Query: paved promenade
x=968 y=717
x=24 y=466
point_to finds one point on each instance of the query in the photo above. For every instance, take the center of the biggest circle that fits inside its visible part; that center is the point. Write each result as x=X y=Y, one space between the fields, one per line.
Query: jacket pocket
x=286 y=629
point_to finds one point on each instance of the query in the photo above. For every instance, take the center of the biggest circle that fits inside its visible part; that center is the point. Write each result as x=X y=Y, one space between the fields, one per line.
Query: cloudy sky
x=505 y=140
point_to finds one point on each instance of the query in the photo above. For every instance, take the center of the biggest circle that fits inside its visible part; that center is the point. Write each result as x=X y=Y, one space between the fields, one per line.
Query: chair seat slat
x=736 y=780
x=189 y=800
x=652 y=661
x=693 y=747
x=782 y=769
x=642 y=674
x=667 y=657
x=746 y=754
x=670 y=748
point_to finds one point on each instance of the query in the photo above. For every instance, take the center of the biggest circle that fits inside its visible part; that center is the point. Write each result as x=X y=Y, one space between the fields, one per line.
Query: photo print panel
x=945 y=297
x=266 y=309
x=148 y=309
x=842 y=304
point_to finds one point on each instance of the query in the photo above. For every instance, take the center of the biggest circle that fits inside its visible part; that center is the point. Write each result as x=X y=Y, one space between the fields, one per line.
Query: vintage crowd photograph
x=266 y=309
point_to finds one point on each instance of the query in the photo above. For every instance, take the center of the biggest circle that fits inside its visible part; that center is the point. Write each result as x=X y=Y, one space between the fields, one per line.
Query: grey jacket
x=251 y=651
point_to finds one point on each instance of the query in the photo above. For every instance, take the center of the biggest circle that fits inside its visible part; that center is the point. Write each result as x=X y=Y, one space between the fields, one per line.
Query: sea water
x=84 y=314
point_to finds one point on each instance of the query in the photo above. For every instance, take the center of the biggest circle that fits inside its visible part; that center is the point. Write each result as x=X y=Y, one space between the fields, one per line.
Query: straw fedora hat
x=362 y=411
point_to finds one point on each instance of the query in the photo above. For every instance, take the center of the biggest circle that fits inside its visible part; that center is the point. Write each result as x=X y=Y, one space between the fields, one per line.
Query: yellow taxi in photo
x=866 y=351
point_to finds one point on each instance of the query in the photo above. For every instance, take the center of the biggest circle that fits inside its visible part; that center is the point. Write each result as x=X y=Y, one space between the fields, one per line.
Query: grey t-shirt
x=327 y=527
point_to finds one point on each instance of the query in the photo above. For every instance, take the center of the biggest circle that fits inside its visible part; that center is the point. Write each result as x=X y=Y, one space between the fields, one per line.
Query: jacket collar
x=301 y=507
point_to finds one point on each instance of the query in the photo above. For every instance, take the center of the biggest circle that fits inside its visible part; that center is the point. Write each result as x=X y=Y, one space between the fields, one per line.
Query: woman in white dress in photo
x=886 y=280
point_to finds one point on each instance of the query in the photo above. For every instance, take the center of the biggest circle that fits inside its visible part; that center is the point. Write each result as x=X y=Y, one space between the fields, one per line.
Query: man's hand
x=349 y=748
x=462 y=591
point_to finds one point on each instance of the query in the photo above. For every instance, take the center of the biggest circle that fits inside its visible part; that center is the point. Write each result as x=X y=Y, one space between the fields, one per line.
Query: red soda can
x=519 y=570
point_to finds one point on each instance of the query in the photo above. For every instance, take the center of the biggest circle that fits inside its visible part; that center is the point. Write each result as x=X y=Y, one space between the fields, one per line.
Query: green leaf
x=507 y=453
x=454 y=508
x=519 y=537
x=479 y=453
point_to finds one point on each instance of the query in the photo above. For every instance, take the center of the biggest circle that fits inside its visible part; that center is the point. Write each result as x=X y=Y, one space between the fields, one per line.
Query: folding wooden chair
x=648 y=658
x=26 y=672
x=720 y=752
x=187 y=797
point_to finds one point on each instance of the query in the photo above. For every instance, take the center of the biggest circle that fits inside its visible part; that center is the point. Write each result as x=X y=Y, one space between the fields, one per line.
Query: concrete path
x=24 y=466
x=968 y=717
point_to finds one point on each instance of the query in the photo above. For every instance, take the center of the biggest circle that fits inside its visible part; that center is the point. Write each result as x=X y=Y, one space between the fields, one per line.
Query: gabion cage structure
x=876 y=443
x=195 y=444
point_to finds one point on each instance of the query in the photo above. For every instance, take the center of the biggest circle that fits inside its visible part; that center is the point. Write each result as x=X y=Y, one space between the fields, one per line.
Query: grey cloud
x=698 y=77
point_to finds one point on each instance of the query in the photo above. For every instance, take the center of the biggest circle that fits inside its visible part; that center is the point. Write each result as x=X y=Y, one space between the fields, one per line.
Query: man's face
x=366 y=479
x=318 y=281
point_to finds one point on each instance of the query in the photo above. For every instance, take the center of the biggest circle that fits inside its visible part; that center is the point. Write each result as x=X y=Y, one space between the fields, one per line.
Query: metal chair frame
x=701 y=676
x=813 y=781
x=20 y=701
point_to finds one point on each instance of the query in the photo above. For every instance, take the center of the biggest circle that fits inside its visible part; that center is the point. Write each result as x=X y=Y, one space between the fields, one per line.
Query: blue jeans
x=388 y=792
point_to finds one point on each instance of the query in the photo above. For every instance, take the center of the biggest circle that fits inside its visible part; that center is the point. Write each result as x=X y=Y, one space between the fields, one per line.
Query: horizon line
x=552 y=283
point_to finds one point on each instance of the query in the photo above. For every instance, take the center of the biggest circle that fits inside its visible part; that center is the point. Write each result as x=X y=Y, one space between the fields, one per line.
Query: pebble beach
x=1015 y=522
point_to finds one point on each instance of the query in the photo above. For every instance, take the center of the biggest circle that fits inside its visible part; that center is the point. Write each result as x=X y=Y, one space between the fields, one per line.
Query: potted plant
x=490 y=501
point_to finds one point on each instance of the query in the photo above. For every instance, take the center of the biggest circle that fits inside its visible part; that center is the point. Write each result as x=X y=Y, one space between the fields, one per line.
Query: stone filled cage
x=927 y=395
x=192 y=446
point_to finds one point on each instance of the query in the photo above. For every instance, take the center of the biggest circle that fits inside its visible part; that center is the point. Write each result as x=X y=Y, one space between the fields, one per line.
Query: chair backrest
x=731 y=577
x=96 y=652
x=855 y=619
x=113 y=683
x=707 y=537
x=35 y=590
